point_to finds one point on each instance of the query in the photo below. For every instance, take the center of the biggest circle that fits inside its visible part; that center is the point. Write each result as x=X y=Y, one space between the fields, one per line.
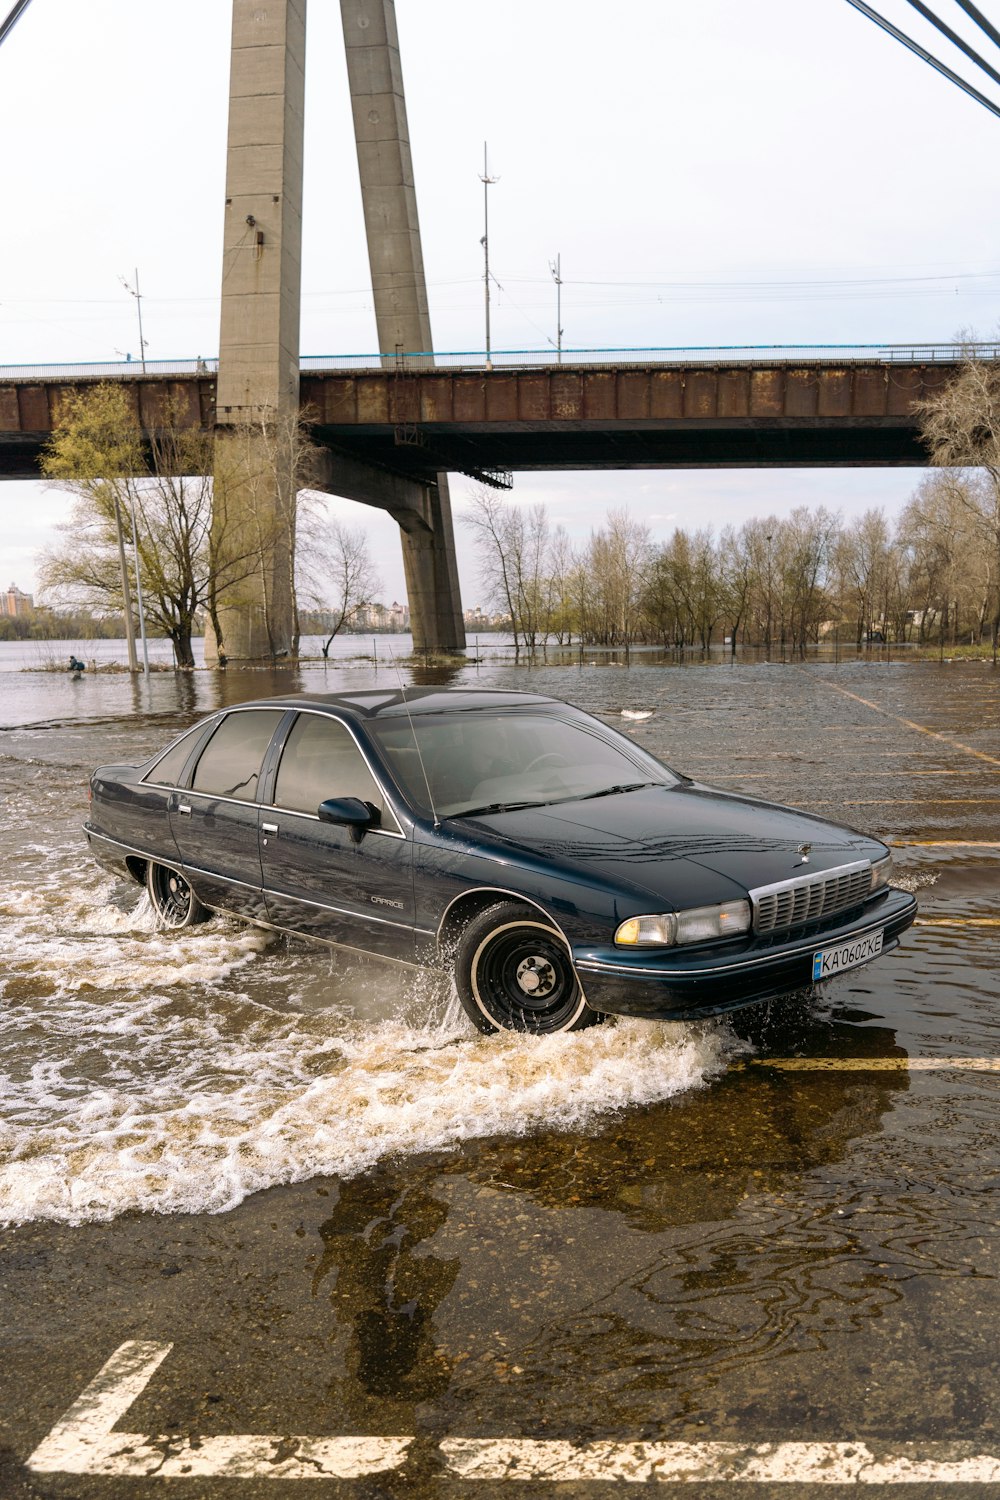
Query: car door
x=317 y=878
x=214 y=822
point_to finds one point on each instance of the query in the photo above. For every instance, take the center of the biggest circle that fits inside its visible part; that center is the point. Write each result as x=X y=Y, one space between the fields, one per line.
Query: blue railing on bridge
x=509 y=359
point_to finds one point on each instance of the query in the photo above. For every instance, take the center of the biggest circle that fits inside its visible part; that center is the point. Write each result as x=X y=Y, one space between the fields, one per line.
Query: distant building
x=390 y=619
x=16 y=603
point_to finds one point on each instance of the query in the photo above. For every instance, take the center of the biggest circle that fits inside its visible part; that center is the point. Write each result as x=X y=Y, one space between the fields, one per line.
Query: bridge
x=393 y=426
x=389 y=433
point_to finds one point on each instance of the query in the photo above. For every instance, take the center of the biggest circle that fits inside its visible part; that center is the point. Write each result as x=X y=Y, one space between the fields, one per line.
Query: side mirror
x=350 y=813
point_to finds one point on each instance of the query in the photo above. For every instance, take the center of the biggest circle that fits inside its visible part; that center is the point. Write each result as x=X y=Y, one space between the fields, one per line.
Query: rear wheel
x=513 y=973
x=174 y=902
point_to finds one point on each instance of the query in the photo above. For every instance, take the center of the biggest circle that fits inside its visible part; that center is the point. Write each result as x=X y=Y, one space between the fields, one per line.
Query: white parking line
x=83 y=1443
x=703 y=1463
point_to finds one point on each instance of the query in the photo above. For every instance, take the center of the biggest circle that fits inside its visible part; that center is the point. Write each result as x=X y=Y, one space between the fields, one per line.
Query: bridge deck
x=419 y=422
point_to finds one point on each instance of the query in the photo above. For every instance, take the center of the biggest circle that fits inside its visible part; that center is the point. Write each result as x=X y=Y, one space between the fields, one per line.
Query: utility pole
x=133 y=664
x=487 y=182
x=135 y=292
x=555 y=266
x=138 y=588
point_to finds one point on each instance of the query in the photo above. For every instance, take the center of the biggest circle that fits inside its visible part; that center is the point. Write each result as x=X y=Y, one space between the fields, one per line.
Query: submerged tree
x=341 y=552
x=961 y=429
x=100 y=455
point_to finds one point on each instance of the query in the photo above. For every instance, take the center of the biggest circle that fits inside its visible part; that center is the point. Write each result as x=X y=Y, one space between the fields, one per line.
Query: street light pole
x=487 y=182
x=555 y=266
x=135 y=292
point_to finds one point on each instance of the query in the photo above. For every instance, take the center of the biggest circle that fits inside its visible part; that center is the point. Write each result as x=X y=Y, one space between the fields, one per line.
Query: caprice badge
x=804 y=850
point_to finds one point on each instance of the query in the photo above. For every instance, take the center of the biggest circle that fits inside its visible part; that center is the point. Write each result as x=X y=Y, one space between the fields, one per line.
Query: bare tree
x=513 y=545
x=352 y=573
x=100 y=455
x=961 y=428
x=264 y=467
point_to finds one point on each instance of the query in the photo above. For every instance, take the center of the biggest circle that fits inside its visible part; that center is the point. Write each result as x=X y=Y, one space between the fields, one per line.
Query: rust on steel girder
x=491 y=423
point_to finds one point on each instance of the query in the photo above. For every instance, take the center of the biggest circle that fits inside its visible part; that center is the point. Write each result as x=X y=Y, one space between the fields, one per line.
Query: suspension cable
x=980 y=20
x=955 y=39
x=924 y=55
x=7 y=26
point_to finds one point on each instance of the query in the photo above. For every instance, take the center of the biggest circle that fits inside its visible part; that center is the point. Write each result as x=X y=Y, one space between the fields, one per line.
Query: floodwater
x=349 y=1214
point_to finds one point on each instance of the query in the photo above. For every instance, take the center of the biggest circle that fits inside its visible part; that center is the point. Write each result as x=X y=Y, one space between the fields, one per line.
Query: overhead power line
x=925 y=56
x=14 y=15
x=980 y=20
x=955 y=39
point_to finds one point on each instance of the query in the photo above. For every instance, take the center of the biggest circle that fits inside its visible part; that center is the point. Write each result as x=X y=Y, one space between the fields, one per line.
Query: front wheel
x=513 y=973
x=173 y=900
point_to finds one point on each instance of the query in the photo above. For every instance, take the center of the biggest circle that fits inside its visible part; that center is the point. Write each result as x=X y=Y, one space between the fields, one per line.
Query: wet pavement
x=757 y=1256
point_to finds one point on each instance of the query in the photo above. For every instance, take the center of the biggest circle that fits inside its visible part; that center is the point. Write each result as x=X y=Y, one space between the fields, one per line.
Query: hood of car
x=688 y=844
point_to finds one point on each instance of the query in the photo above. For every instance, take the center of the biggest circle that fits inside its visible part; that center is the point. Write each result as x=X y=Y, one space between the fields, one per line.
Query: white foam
x=291 y=1103
x=139 y=1068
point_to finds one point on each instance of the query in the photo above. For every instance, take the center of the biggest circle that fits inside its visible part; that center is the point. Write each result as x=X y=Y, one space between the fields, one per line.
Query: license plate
x=830 y=961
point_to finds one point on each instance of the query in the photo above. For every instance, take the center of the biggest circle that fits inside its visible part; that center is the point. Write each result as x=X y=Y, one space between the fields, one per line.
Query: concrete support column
x=390 y=207
x=258 y=386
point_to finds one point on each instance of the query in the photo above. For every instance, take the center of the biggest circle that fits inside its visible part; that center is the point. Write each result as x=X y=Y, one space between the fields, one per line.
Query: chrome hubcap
x=536 y=976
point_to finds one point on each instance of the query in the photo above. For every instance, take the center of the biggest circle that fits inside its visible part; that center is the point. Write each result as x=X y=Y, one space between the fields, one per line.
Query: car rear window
x=229 y=765
x=167 y=770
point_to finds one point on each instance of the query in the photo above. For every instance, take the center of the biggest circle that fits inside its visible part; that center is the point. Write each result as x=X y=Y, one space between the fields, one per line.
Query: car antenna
x=416 y=742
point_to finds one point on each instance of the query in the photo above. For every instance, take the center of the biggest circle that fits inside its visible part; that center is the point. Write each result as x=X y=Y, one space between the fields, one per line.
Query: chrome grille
x=810 y=898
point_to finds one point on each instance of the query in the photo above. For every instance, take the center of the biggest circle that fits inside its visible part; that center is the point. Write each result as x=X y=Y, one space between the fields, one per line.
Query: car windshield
x=491 y=762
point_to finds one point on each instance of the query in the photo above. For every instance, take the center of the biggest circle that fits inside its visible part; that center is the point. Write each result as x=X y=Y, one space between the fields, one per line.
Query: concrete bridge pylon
x=258 y=380
x=402 y=319
x=259 y=337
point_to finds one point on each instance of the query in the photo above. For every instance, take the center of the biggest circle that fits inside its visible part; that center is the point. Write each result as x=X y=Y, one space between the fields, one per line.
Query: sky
x=716 y=173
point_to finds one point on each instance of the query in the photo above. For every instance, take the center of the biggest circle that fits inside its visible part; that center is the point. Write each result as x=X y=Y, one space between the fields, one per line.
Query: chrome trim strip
x=345 y=911
x=815 y=877
x=244 y=885
x=311 y=937
x=497 y=890
x=262 y=890
x=789 y=889
x=105 y=838
x=594 y=966
x=289 y=812
x=518 y=896
x=322 y=714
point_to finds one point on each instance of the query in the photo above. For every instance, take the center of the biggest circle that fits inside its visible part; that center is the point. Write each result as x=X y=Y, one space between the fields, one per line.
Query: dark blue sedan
x=562 y=871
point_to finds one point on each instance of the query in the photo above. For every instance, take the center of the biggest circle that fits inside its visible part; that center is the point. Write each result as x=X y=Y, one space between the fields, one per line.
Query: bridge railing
x=514 y=359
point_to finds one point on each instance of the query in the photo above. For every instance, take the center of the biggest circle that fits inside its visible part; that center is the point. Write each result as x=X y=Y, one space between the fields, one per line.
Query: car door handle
x=269 y=828
x=182 y=807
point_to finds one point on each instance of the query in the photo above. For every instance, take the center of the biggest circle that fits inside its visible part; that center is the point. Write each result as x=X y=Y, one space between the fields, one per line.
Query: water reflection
x=651 y=1262
x=385 y=1295
x=240 y=684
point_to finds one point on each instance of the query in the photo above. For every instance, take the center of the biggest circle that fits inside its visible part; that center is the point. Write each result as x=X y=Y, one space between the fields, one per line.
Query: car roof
x=392 y=703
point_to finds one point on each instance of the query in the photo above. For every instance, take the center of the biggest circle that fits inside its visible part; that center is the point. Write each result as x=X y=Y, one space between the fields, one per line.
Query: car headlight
x=697 y=925
x=881 y=870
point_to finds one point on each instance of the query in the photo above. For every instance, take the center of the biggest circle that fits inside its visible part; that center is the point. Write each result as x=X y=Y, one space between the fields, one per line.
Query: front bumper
x=679 y=985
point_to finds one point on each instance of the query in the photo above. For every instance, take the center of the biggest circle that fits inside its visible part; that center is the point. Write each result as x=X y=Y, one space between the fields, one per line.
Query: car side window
x=321 y=760
x=167 y=770
x=229 y=765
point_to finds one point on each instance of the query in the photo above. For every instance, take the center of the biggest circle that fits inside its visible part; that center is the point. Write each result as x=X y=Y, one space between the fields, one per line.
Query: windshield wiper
x=628 y=786
x=496 y=807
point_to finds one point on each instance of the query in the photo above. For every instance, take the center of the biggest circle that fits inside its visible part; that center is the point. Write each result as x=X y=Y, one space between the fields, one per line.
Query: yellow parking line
x=957 y=922
x=944 y=843
x=905 y=802
x=876 y=1064
x=907 y=723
